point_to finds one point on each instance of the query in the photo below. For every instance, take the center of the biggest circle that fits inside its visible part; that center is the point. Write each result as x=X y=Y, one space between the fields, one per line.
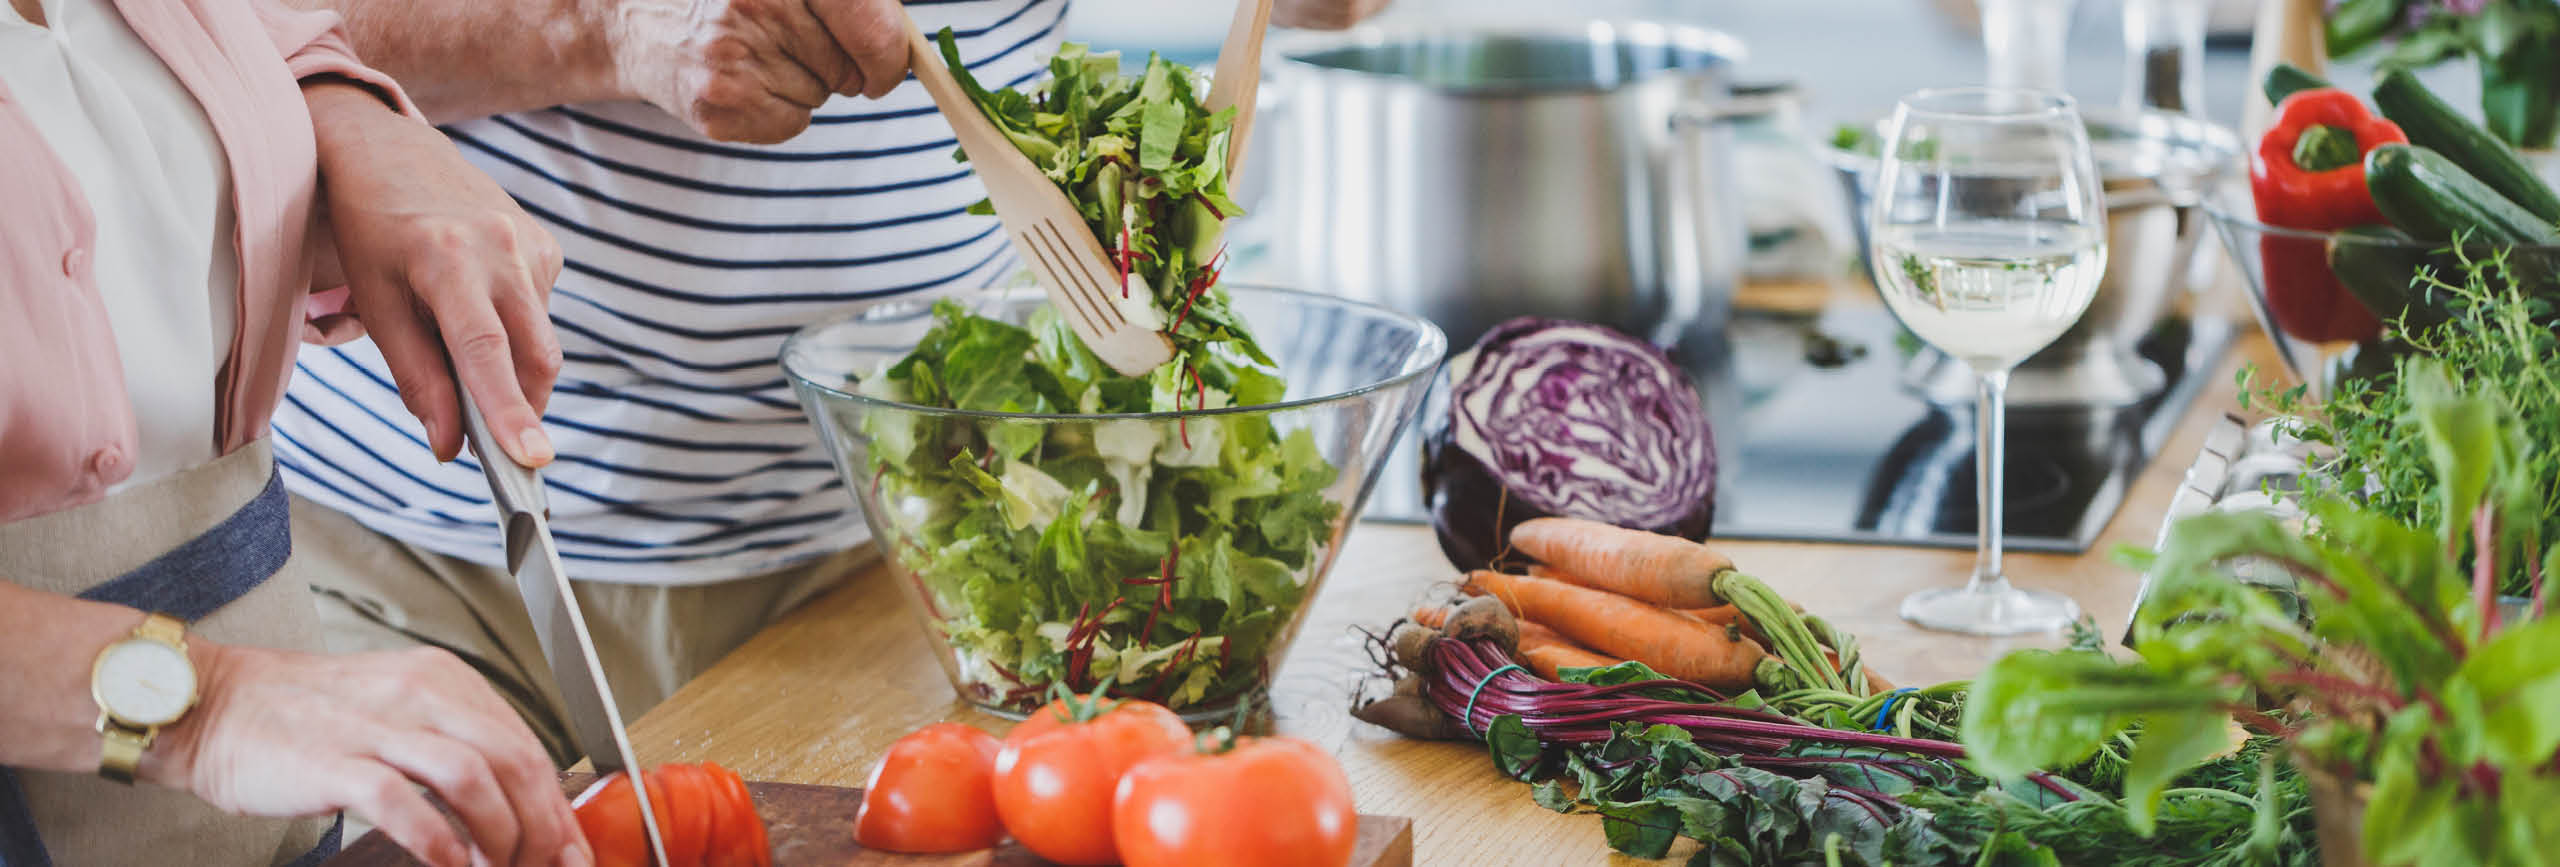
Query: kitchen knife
x=594 y=722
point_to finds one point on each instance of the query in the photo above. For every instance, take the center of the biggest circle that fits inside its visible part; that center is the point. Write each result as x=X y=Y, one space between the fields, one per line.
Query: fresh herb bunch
x=1145 y=164
x=2500 y=337
x=1147 y=558
x=2399 y=668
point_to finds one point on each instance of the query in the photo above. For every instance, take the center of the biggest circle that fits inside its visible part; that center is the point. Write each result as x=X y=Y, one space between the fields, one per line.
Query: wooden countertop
x=818 y=696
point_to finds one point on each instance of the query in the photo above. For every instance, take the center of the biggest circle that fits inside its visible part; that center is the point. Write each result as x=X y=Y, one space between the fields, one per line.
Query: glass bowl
x=1021 y=551
x=2323 y=332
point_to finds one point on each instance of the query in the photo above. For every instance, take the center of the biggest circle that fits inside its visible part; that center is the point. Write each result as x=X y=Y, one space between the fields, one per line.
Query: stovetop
x=1819 y=439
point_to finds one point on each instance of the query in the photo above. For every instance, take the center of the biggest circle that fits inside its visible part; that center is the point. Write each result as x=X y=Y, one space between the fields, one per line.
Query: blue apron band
x=19 y=846
x=190 y=581
x=327 y=848
x=205 y=573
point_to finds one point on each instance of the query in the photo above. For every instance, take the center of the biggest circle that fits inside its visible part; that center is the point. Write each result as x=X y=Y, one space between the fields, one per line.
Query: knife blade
x=525 y=517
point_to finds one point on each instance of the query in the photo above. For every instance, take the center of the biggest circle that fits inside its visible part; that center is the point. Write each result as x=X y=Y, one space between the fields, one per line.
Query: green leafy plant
x=2516 y=44
x=1652 y=785
x=2398 y=668
x=2498 y=334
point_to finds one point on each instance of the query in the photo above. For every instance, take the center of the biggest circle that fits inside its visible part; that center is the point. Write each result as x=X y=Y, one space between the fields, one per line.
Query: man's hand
x=295 y=734
x=753 y=70
x=1323 y=14
x=440 y=264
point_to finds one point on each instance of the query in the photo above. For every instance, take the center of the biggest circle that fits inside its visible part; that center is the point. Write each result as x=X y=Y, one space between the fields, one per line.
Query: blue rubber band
x=1469 y=717
x=1886 y=712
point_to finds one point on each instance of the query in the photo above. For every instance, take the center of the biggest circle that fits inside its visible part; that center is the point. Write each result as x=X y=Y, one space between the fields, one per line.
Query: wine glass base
x=1990 y=611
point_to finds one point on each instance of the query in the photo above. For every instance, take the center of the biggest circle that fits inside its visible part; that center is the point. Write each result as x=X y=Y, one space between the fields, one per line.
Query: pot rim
x=2218 y=145
x=1728 y=51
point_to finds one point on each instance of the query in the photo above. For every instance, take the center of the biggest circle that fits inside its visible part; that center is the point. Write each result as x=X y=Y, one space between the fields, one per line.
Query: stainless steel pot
x=1471 y=174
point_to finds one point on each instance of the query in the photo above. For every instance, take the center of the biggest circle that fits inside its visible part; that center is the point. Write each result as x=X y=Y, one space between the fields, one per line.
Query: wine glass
x=1988 y=238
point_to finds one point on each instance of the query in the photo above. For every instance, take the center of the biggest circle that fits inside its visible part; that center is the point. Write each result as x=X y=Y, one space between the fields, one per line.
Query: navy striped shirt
x=683 y=457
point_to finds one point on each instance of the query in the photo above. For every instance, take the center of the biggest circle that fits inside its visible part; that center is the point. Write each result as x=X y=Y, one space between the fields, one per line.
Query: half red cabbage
x=1554 y=417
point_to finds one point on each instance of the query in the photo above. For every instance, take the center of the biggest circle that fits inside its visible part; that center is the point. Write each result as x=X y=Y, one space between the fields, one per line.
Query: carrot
x=1549 y=660
x=1721 y=615
x=1434 y=616
x=1675 y=644
x=1665 y=570
x=1545 y=651
x=1535 y=634
x=1729 y=615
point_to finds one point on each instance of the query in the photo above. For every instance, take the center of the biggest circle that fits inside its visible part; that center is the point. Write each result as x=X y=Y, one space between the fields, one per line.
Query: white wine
x=1989 y=292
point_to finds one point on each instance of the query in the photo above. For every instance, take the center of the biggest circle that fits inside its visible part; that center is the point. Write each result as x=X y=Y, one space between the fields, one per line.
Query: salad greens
x=1157 y=558
x=1146 y=166
x=2388 y=661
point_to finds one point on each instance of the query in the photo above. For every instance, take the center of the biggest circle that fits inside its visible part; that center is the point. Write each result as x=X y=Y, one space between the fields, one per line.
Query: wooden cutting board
x=814 y=825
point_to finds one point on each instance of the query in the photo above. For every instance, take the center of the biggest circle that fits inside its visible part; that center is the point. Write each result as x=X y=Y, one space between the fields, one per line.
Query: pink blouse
x=67 y=427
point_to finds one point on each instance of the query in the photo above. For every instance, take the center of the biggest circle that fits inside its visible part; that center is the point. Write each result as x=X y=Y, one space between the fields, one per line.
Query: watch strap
x=120 y=751
x=164 y=629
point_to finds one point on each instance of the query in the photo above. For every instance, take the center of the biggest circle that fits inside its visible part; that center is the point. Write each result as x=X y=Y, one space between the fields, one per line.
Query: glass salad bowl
x=2323 y=331
x=1166 y=556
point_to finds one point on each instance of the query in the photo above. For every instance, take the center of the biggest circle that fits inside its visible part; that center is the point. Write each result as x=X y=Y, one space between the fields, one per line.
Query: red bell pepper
x=2308 y=173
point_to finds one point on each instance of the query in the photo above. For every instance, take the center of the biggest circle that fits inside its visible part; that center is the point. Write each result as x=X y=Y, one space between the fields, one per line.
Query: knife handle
x=517 y=489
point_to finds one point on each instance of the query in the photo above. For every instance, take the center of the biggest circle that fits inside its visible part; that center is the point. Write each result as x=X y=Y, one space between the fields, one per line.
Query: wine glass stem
x=1990 y=443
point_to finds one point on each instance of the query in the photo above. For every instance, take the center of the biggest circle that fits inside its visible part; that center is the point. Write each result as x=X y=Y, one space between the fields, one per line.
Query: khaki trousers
x=85 y=819
x=379 y=593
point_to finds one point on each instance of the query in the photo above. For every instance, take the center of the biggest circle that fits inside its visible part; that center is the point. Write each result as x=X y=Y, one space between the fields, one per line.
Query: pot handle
x=1707 y=210
x=1742 y=101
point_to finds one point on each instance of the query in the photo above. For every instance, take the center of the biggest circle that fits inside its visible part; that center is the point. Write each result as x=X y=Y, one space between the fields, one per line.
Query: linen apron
x=210 y=546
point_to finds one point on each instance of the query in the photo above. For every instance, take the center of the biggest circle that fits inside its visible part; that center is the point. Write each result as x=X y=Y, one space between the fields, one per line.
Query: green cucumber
x=2433 y=200
x=2287 y=79
x=2379 y=264
x=2355 y=24
x=2431 y=123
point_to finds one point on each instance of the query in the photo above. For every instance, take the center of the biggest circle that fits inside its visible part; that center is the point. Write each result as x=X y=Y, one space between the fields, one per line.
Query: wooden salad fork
x=1240 y=74
x=1051 y=236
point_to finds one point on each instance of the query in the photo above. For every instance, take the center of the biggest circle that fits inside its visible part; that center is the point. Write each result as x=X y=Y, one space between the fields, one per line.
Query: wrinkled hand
x=1323 y=14
x=753 y=70
x=440 y=264
x=294 y=734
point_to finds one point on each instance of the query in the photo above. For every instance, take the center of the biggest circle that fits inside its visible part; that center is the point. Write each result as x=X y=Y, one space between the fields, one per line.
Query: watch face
x=145 y=682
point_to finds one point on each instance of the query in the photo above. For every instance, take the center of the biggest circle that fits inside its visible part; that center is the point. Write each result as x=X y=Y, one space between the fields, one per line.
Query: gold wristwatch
x=141 y=682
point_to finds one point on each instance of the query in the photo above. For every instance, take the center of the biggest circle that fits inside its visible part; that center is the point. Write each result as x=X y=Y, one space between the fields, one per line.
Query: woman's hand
x=1323 y=14
x=440 y=264
x=294 y=734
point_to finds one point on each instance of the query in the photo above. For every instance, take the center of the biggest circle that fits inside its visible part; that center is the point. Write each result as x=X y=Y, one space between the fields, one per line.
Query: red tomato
x=684 y=811
x=933 y=792
x=705 y=817
x=1054 y=777
x=610 y=818
x=739 y=832
x=1266 y=803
